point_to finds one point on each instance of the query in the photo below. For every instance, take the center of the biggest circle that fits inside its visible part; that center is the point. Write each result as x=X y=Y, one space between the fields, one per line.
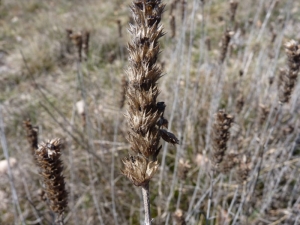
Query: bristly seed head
x=51 y=168
x=32 y=135
x=288 y=77
x=139 y=170
x=145 y=115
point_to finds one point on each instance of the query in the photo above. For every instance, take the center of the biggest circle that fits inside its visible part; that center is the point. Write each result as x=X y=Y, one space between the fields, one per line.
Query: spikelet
x=288 y=78
x=220 y=136
x=139 y=170
x=51 y=168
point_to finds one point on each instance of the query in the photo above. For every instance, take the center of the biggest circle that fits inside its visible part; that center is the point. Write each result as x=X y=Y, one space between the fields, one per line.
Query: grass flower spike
x=288 y=78
x=145 y=114
x=50 y=164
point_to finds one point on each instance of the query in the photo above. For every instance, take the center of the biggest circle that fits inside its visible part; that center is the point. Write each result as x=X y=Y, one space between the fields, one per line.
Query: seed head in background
x=288 y=77
x=51 y=168
x=32 y=135
x=220 y=137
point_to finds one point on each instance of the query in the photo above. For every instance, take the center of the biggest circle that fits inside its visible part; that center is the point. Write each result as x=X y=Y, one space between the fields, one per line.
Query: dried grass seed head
x=220 y=135
x=288 y=78
x=144 y=112
x=51 y=168
x=143 y=74
x=225 y=43
x=32 y=135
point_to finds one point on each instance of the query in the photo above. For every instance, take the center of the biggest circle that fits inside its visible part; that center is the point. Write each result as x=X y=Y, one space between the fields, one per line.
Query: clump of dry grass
x=288 y=77
x=51 y=168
